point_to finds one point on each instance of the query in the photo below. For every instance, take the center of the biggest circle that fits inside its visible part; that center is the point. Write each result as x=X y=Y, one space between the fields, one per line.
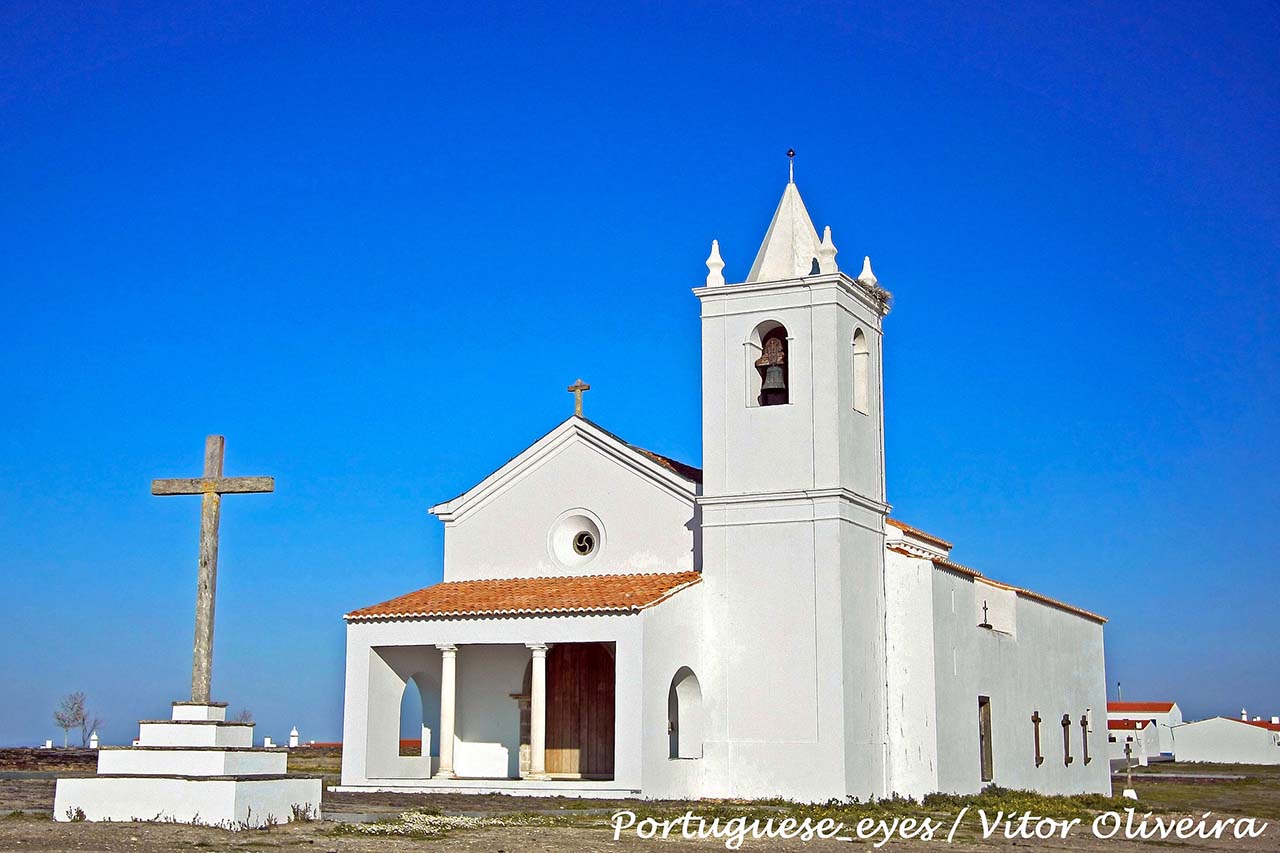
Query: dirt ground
x=26 y=805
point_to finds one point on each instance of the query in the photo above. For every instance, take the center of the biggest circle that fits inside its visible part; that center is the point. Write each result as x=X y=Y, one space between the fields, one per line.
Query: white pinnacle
x=867 y=276
x=827 y=253
x=715 y=266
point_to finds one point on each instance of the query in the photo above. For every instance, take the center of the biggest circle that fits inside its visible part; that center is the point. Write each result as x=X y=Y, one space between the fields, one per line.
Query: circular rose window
x=575 y=538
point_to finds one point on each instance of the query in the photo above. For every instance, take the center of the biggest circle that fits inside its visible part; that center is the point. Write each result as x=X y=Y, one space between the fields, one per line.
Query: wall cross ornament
x=1035 y=721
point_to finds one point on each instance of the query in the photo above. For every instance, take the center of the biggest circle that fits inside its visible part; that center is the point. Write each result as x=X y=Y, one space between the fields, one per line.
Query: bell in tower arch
x=772 y=365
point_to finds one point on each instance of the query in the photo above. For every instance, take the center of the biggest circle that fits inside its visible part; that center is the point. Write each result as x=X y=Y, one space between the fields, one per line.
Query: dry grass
x=1257 y=795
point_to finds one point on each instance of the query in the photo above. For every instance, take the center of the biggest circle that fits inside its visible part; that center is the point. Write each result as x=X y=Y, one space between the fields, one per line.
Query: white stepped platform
x=191 y=761
x=194 y=733
x=195 y=768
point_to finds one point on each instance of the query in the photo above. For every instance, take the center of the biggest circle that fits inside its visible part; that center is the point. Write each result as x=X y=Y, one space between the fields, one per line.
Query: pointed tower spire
x=715 y=266
x=827 y=253
x=790 y=247
x=867 y=276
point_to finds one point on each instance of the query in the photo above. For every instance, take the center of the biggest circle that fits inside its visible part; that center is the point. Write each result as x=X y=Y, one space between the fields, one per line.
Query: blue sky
x=372 y=246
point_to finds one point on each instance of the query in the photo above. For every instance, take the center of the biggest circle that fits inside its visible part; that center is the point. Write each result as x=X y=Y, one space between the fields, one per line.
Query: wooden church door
x=580 y=710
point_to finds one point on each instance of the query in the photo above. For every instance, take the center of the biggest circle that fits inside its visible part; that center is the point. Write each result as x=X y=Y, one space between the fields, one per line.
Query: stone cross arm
x=213 y=486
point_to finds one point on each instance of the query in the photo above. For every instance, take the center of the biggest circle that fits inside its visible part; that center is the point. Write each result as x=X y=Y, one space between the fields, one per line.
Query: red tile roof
x=1140 y=707
x=1264 y=724
x=1128 y=724
x=675 y=466
x=522 y=596
x=893 y=522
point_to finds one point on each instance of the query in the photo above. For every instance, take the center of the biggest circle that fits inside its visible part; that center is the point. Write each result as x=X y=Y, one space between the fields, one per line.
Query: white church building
x=616 y=623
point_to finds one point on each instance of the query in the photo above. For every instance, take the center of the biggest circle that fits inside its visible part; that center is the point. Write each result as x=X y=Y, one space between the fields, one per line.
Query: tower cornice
x=871 y=295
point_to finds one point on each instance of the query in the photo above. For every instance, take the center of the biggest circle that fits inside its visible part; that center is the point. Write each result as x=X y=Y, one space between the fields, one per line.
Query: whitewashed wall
x=646 y=517
x=910 y=676
x=673 y=638
x=1225 y=741
x=1054 y=665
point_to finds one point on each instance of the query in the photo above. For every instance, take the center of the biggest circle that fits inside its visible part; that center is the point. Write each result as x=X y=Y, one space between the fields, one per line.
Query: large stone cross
x=211 y=487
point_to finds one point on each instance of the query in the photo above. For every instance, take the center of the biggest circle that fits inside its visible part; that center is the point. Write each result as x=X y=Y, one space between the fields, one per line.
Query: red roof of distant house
x=1128 y=724
x=1263 y=724
x=510 y=596
x=1140 y=707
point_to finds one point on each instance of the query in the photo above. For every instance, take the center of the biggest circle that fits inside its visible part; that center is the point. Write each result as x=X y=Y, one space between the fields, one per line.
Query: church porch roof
x=532 y=596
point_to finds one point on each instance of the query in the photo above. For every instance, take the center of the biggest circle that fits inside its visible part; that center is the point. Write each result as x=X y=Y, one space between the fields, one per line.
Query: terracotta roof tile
x=1263 y=724
x=522 y=596
x=1123 y=725
x=893 y=522
x=674 y=466
x=1143 y=707
x=1140 y=707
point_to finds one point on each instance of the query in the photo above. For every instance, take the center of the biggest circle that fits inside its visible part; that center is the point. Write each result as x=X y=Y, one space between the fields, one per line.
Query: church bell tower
x=793 y=510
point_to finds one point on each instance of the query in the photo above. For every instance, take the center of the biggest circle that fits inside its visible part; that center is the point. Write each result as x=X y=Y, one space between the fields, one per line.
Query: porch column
x=448 y=696
x=538 y=712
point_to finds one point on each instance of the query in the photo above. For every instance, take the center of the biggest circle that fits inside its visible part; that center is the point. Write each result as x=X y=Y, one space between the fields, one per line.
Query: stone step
x=194 y=733
x=229 y=802
x=206 y=711
x=192 y=761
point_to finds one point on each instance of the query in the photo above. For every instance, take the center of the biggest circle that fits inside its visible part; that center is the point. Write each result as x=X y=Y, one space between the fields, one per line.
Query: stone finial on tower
x=867 y=276
x=827 y=253
x=715 y=266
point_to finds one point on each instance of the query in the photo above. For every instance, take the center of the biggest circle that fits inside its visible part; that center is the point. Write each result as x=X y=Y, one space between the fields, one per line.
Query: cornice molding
x=790 y=496
x=872 y=296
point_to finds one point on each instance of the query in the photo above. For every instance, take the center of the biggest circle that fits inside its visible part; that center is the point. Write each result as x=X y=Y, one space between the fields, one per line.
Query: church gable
x=579 y=501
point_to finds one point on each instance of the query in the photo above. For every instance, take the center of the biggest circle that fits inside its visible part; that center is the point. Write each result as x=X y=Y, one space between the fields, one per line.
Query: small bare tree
x=70 y=714
x=88 y=726
x=244 y=715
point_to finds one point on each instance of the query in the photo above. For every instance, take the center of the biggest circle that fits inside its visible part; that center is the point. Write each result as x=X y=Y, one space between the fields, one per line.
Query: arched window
x=768 y=366
x=861 y=372
x=684 y=715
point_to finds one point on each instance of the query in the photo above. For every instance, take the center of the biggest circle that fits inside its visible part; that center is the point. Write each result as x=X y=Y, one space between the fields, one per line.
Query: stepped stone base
x=228 y=802
x=196 y=768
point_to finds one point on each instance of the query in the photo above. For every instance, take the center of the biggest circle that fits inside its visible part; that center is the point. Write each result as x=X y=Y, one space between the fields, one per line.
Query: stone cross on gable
x=211 y=487
x=577 y=390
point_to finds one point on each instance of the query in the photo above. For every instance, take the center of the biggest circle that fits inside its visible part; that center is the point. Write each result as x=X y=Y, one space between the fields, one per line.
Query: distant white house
x=1163 y=715
x=1224 y=740
x=1141 y=735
